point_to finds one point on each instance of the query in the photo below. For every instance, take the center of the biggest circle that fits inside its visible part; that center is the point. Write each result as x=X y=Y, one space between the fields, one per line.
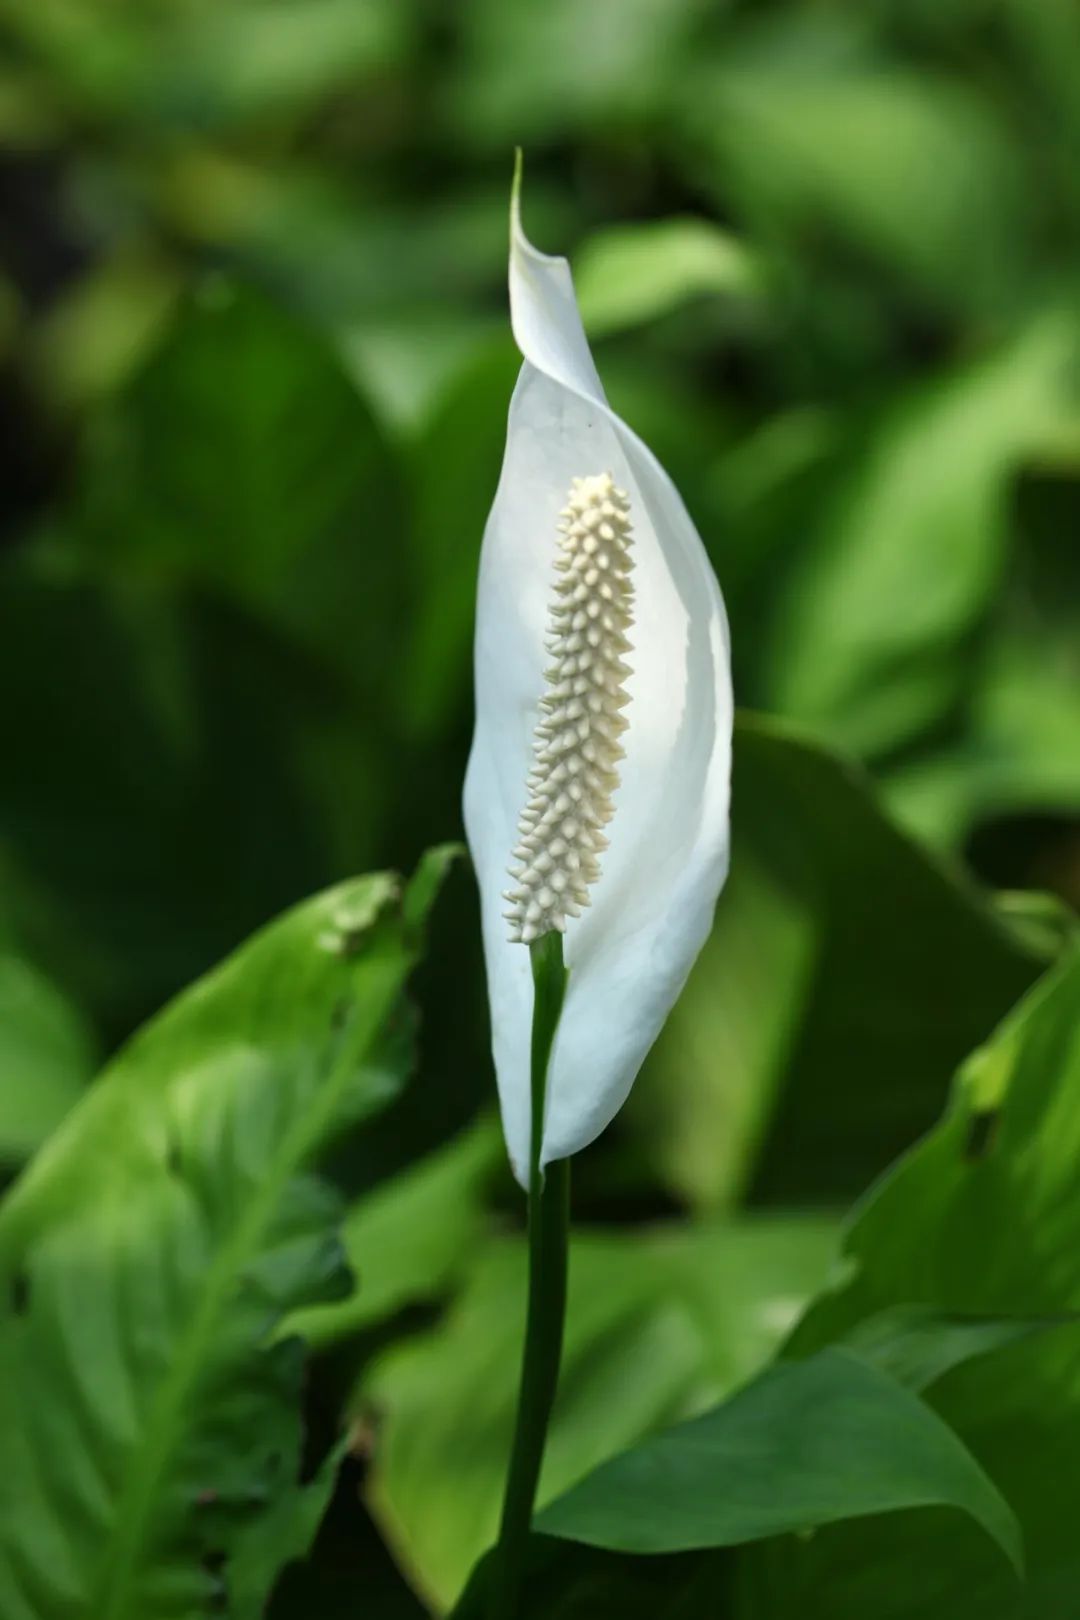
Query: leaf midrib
x=164 y=1425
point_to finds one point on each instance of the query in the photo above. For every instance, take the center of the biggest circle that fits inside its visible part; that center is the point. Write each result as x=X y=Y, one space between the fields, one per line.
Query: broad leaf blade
x=661 y=1322
x=982 y=1218
x=274 y=503
x=871 y=643
x=842 y=950
x=916 y=1346
x=148 y=1426
x=910 y=171
x=808 y=1443
x=411 y=1237
x=631 y=274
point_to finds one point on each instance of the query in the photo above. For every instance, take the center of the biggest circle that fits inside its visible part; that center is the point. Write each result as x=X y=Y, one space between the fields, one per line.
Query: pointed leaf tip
x=807 y=1443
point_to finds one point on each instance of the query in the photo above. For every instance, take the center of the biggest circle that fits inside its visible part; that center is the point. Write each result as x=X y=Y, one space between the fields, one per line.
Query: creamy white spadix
x=576 y=750
x=600 y=766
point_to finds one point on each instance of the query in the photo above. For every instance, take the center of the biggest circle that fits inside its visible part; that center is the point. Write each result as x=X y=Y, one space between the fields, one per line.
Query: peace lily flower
x=596 y=797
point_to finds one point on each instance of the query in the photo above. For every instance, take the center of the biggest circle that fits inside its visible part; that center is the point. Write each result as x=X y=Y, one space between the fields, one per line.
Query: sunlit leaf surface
x=151 y=1430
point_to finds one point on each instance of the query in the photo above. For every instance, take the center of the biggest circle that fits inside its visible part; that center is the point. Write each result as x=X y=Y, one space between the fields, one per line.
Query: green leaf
x=223 y=745
x=199 y=65
x=982 y=1219
x=703 y=1104
x=564 y=1581
x=536 y=69
x=453 y=465
x=630 y=274
x=660 y=1322
x=841 y=950
x=46 y=1058
x=242 y=458
x=412 y=1237
x=1020 y=753
x=101 y=330
x=233 y=62
x=869 y=641
x=409 y=363
x=150 y=1426
x=916 y=1346
x=761 y=487
x=993 y=1180
x=807 y=1444
x=817 y=136
x=282 y=1534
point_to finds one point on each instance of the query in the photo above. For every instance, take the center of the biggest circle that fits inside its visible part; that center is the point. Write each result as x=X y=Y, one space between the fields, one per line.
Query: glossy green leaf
x=869 y=641
x=409 y=364
x=1021 y=751
x=841 y=950
x=808 y=1443
x=913 y=1346
x=809 y=130
x=631 y=274
x=761 y=487
x=982 y=1219
x=916 y=1346
x=994 y=1179
x=150 y=1427
x=234 y=62
x=411 y=1238
x=532 y=69
x=227 y=748
x=103 y=330
x=564 y=1581
x=193 y=66
x=659 y=1323
x=281 y=1535
x=704 y=1102
x=242 y=459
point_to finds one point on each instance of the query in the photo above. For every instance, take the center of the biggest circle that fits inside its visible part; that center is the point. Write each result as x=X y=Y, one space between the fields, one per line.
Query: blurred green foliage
x=254 y=371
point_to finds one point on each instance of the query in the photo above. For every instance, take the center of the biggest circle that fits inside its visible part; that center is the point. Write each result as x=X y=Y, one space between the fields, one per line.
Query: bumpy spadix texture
x=651 y=904
x=576 y=749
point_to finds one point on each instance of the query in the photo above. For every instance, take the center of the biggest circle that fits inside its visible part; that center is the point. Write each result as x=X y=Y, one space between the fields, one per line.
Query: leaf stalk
x=549 y=1232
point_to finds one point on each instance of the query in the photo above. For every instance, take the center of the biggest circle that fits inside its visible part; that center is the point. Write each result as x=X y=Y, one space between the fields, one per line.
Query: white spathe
x=651 y=908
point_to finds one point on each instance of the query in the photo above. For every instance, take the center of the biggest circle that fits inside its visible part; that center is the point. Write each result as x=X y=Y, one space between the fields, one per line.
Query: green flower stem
x=549 y=1231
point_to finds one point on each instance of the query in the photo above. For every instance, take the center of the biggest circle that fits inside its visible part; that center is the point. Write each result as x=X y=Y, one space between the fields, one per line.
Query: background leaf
x=995 y=1180
x=806 y=1444
x=659 y=1322
x=916 y=1346
x=411 y=1239
x=281 y=464
x=872 y=626
x=811 y=125
x=628 y=275
x=769 y=1047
